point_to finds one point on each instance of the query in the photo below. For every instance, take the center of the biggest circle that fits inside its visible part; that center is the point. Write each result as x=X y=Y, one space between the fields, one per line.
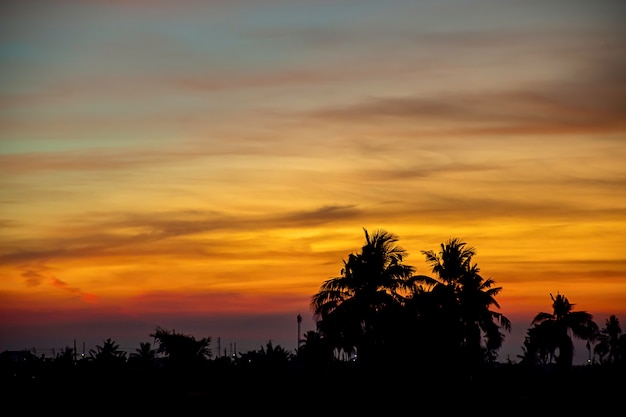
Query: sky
x=204 y=166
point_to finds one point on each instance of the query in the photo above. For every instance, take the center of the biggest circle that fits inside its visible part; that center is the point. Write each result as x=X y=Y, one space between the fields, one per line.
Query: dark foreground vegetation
x=388 y=341
x=225 y=386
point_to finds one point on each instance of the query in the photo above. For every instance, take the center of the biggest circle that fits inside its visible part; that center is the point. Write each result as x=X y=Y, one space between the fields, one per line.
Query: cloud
x=33 y=278
x=119 y=158
x=38 y=274
x=85 y=297
x=9 y=223
x=548 y=109
x=317 y=217
x=113 y=235
x=188 y=234
x=85 y=160
x=189 y=222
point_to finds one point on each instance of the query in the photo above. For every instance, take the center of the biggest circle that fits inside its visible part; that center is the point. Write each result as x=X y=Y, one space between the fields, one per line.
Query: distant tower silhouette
x=299 y=318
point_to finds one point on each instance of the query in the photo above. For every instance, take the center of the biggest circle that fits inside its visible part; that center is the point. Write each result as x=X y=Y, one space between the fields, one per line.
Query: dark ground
x=508 y=390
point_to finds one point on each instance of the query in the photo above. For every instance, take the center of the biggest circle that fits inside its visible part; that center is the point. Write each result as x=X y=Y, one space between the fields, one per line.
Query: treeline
x=180 y=375
x=378 y=322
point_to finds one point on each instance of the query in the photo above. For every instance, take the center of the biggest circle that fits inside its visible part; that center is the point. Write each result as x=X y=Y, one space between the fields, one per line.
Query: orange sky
x=205 y=166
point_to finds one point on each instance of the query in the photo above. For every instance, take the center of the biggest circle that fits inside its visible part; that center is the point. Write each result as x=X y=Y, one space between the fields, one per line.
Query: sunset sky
x=204 y=166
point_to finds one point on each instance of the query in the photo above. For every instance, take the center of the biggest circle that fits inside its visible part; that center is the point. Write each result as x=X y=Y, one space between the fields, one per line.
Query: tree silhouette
x=144 y=356
x=538 y=347
x=182 y=351
x=349 y=308
x=107 y=362
x=269 y=357
x=65 y=357
x=610 y=341
x=555 y=330
x=109 y=353
x=144 y=352
x=315 y=352
x=458 y=307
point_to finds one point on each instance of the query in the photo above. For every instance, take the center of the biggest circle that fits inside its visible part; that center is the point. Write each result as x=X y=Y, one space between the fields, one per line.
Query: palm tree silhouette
x=107 y=361
x=144 y=356
x=182 y=351
x=609 y=341
x=109 y=352
x=538 y=348
x=349 y=308
x=315 y=351
x=144 y=351
x=464 y=299
x=559 y=327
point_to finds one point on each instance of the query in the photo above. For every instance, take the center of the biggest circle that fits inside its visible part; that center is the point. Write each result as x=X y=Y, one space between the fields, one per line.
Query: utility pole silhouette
x=299 y=318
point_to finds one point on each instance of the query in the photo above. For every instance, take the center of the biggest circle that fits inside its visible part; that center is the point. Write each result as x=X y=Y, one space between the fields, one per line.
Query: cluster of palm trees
x=549 y=340
x=379 y=306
